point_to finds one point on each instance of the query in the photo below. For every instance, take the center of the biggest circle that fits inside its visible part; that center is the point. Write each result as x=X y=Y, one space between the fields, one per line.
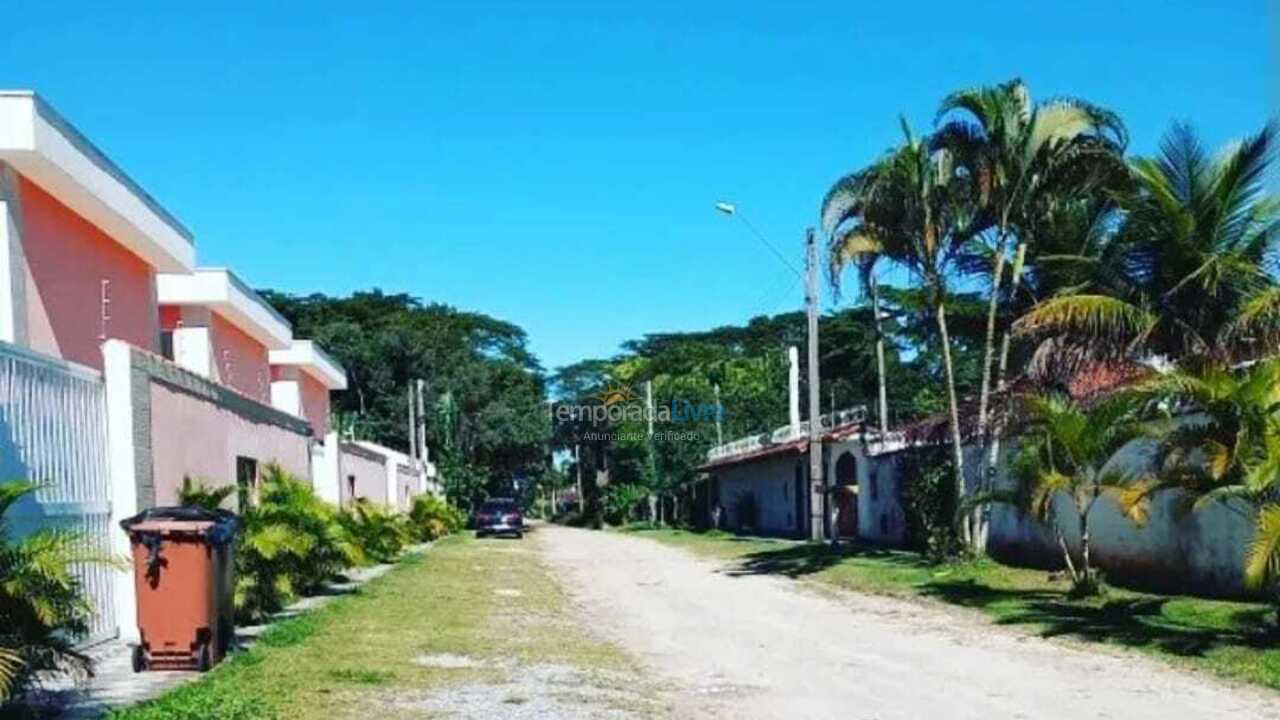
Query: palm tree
x=1183 y=276
x=1225 y=448
x=909 y=207
x=845 y=249
x=43 y=609
x=1067 y=449
x=1025 y=158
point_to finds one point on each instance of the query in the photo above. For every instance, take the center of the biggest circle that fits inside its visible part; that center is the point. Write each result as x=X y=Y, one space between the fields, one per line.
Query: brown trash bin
x=183 y=561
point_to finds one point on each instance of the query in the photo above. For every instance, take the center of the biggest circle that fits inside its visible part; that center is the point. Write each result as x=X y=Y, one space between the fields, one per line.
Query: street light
x=818 y=487
x=729 y=208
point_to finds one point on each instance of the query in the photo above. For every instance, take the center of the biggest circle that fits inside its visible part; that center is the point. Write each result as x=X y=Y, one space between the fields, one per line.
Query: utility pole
x=653 y=465
x=413 y=424
x=719 y=413
x=423 y=454
x=817 y=486
x=577 y=468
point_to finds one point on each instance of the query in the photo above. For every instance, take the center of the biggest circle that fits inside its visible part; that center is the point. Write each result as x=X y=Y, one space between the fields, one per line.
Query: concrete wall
x=79 y=286
x=408 y=484
x=192 y=437
x=881 y=517
x=772 y=481
x=1200 y=552
x=363 y=471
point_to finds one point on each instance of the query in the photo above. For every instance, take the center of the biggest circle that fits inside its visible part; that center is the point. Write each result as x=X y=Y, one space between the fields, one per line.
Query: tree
x=1068 y=450
x=1224 y=448
x=910 y=207
x=1183 y=276
x=1025 y=159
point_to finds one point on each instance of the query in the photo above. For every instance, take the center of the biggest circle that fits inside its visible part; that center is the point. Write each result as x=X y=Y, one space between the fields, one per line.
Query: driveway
x=755 y=646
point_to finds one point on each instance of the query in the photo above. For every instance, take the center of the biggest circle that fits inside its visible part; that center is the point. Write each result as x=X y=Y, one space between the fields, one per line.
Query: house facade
x=126 y=368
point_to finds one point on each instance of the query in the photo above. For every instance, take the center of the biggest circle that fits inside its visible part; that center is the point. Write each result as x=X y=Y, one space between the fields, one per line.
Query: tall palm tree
x=845 y=249
x=1067 y=450
x=909 y=207
x=1184 y=276
x=1025 y=158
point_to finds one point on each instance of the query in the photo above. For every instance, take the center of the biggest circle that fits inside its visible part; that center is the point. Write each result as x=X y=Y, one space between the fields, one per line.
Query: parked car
x=499 y=516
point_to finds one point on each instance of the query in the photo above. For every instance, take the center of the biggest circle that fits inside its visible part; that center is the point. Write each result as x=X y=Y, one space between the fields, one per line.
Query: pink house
x=212 y=324
x=82 y=242
x=302 y=376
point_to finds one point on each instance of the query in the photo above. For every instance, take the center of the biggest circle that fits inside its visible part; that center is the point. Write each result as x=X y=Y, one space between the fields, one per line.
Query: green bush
x=43 y=609
x=293 y=542
x=431 y=518
x=622 y=501
x=378 y=533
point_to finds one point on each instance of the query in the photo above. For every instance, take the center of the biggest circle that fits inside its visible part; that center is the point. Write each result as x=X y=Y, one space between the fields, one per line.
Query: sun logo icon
x=614 y=394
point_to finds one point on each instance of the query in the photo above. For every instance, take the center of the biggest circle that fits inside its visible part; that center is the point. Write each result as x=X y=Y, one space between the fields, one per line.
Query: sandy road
x=767 y=647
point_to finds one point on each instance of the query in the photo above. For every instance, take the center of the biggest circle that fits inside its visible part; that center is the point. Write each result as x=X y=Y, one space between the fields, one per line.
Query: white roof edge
x=220 y=290
x=47 y=149
x=309 y=357
x=383 y=450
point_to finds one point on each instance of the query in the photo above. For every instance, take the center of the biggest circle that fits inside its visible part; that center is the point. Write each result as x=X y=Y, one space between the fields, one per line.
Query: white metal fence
x=53 y=431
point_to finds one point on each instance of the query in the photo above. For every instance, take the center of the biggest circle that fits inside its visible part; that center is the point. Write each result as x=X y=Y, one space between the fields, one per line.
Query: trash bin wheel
x=203 y=662
x=139 y=659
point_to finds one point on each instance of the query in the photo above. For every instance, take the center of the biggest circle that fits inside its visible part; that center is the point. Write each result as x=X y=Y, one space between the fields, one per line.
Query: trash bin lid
x=216 y=526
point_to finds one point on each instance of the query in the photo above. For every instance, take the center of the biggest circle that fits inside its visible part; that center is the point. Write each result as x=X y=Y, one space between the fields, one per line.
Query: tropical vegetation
x=44 y=611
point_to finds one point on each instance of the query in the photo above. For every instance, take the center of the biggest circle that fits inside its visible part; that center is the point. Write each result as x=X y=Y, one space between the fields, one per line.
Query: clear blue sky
x=556 y=166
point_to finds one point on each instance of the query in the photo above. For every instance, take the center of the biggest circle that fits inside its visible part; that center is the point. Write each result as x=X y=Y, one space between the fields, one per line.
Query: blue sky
x=556 y=165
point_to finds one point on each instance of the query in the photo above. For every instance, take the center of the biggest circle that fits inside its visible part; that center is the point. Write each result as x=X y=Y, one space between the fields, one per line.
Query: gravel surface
x=754 y=646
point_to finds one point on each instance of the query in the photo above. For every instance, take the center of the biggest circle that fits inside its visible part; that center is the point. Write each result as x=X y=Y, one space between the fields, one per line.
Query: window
x=246 y=482
x=351 y=488
x=166 y=344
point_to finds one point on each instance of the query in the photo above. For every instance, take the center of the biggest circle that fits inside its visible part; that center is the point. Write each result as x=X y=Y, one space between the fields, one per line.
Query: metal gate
x=53 y=432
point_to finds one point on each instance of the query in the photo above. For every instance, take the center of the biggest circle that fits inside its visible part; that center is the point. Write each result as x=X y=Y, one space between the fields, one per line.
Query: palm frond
x=1262 y=561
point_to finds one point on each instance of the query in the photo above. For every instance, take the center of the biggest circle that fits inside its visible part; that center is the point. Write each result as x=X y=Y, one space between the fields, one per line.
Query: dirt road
x=767 y=647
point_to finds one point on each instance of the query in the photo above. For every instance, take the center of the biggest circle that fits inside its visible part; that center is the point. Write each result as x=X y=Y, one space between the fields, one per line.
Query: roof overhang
x=46 y=149
x=221 y=291
x=307 y=356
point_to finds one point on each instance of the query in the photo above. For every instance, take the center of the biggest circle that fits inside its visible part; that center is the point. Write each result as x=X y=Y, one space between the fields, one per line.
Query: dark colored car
x=499 y=516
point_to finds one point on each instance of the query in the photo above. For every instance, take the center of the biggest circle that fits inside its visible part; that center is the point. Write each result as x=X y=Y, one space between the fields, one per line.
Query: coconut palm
x=1068 y=450
x=1026 y=159
x=1224 y=448
x=43 y=608
x=910 y=208
x=1184 y=275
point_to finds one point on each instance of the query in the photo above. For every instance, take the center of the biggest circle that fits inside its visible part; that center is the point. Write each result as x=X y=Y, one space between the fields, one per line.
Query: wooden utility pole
x=817 y=486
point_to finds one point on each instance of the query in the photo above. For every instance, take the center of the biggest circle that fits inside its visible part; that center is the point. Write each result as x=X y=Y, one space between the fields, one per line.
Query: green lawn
x=471 y=619
x=1222 y=637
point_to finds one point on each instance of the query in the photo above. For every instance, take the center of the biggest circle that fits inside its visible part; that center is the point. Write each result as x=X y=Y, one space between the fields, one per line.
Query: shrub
x=43 y=609
x=928 y=499
x=293 y=542
x=195 y=493
x=431 y=518
x=378 y=533
x=621 y=502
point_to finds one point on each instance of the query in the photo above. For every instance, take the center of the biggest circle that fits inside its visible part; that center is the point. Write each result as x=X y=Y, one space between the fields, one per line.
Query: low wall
x=188 y=426
x=364 y=473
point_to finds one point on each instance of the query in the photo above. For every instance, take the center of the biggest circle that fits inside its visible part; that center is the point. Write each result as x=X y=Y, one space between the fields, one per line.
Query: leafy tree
x=489 y=425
